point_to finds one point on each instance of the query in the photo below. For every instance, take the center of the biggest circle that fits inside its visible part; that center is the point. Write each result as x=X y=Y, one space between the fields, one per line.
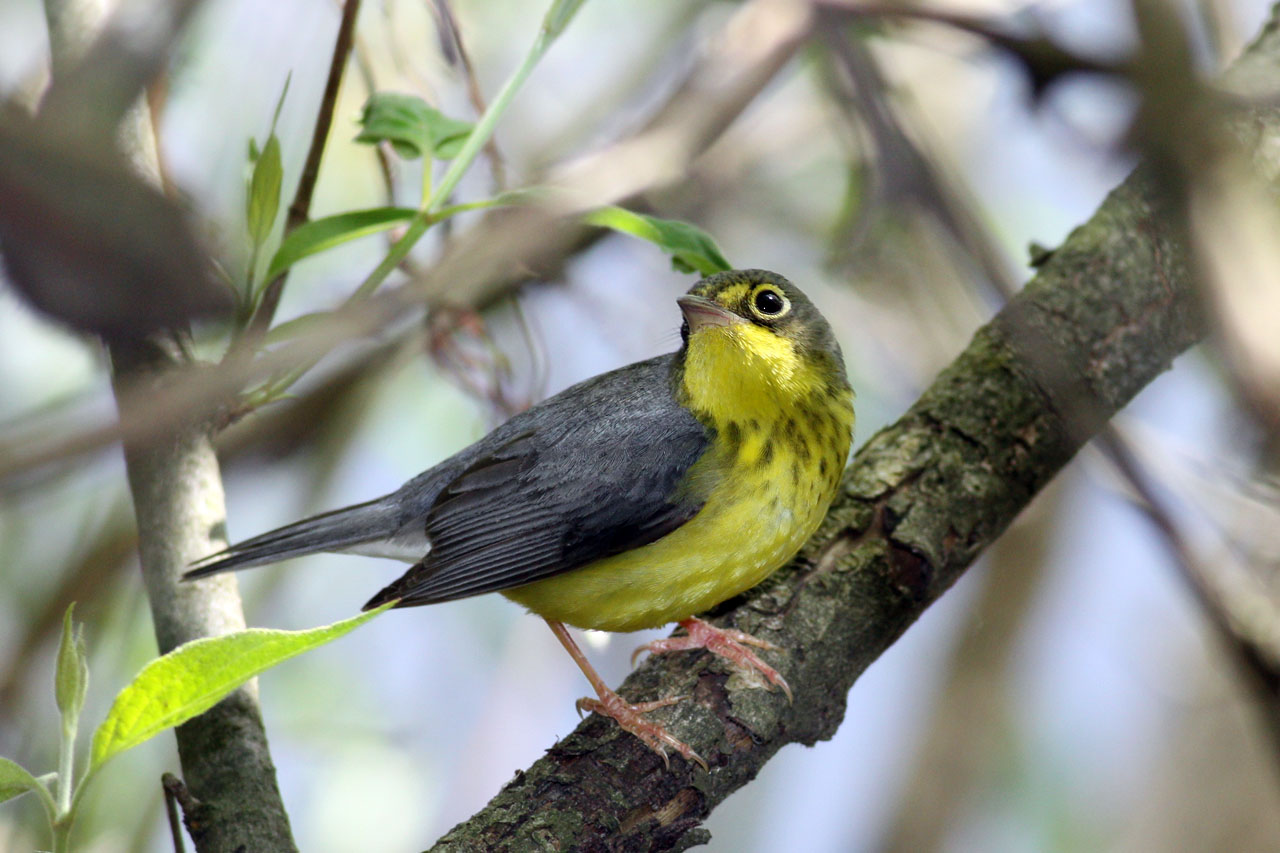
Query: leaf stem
x=66 y=766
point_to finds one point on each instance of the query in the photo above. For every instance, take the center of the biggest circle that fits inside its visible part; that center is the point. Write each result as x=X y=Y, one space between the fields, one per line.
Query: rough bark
x=1105 y=314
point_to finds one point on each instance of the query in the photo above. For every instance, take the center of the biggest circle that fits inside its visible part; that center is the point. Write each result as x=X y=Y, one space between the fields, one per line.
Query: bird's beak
x=702 y=313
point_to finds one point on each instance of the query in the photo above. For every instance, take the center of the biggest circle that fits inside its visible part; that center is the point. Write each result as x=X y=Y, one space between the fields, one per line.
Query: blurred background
x=1066 y=695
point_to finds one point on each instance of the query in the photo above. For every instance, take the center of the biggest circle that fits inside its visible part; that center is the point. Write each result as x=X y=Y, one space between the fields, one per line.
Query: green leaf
x=691 y=249
x=264 y=191
x=71 y=678
x=320 y=234
x=412 y=126
x=192 y=678
x=16 y=781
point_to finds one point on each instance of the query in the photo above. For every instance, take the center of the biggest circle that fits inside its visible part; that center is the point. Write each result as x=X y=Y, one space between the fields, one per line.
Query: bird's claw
x=628 y=717
x=728 y=643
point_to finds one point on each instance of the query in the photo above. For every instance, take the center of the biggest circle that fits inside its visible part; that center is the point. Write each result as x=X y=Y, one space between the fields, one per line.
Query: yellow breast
x=771 y=474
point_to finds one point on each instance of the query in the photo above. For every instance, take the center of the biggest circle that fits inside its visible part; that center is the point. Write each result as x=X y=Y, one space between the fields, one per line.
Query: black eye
x=769 y=302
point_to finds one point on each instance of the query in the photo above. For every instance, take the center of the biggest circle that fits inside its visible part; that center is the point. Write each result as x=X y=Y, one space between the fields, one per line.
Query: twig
x=908 y=175
x=173 y=791
x=1044 y=60
x=1253 y=650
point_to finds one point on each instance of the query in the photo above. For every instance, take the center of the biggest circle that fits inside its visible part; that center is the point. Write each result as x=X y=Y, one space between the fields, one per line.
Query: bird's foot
x=630 y=718
x=728 y=643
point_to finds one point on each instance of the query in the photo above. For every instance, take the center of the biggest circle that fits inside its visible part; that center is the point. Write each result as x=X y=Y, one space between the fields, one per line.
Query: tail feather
x=330 y=531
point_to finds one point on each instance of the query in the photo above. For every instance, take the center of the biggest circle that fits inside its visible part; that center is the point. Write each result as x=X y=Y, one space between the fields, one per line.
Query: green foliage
x=170 y=690
x=71 y=678
x=16 y=781
x=192 y=678
x=262 y=202
x=320 y=234
x=264 y=191
x=412 y=126
x=692 y=250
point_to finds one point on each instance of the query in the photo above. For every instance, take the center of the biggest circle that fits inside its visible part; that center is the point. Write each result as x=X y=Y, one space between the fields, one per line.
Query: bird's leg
x=725 y=642
x=625 y=714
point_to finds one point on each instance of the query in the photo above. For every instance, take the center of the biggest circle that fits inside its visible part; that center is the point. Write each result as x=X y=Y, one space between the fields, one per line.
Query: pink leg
x=725 y=642
x=628 y=716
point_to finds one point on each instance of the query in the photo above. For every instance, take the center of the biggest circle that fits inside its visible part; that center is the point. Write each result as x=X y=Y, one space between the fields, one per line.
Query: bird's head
x=751 y=339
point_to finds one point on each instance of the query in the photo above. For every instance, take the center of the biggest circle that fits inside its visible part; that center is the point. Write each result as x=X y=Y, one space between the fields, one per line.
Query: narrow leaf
x=16 y=781
x=192 y=678
x=264 y=191
x=691 y=249
x=284 y=91
x=412 y=126
x=320 y=234
x=71 y=677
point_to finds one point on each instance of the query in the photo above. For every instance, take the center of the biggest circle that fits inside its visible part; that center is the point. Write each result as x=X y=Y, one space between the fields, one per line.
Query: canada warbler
x=640 y=497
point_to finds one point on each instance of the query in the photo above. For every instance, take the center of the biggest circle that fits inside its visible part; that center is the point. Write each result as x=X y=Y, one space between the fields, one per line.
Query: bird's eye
x=769 y=303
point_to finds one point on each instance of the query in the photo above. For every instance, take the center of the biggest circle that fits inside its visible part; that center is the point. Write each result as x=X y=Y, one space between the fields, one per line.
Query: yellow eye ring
x=768 y=303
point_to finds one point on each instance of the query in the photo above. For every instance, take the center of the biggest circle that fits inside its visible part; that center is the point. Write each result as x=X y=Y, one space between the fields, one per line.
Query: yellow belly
x=758 y=516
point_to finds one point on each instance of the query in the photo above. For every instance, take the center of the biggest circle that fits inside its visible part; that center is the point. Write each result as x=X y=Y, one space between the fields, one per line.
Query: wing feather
x=601 y=472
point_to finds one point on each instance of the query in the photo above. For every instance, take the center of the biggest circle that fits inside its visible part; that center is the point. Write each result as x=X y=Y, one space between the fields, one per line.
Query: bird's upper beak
x=702 y=313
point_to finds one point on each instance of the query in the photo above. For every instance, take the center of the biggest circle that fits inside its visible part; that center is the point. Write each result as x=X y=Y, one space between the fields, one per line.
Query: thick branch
x=1106 y=313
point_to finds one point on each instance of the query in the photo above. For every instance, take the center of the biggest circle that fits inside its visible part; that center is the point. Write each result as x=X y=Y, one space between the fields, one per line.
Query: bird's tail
x=338 y=530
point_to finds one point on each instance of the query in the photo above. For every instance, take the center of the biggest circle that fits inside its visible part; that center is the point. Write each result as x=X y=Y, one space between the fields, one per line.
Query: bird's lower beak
x=702 y=313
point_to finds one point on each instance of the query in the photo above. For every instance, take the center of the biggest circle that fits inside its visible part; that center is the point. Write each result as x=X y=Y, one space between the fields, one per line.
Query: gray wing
x=594 y=471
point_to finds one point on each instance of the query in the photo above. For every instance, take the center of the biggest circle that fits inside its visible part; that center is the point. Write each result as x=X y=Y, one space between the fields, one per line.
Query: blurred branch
x=968 y=731
x=455 y=51
x=1104 y=315
x=1043 y=59
x=905 y=175
x=92 y=576
x=1246 y=619
x=101 y=68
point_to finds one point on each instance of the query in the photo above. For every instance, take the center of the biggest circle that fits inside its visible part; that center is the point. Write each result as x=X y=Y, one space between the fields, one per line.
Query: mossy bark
x=1105 y=314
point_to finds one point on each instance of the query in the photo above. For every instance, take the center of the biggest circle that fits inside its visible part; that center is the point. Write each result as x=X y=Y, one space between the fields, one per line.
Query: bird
x=640 y=497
